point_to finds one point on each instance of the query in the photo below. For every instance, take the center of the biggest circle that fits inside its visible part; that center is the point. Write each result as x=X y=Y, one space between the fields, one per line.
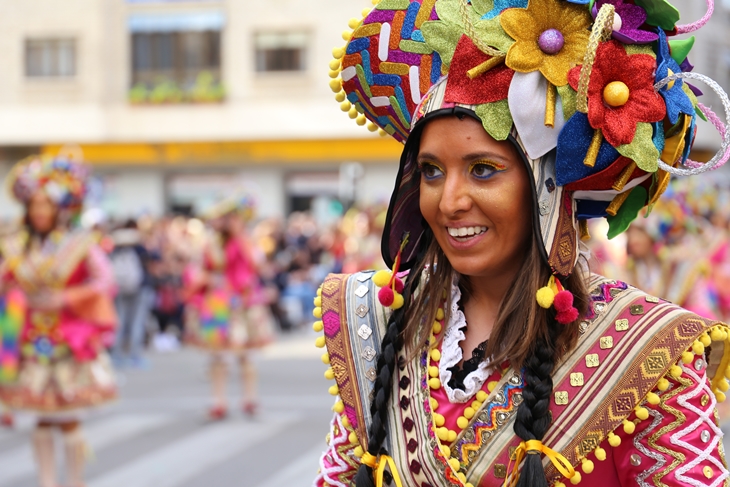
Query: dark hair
x=524 y=334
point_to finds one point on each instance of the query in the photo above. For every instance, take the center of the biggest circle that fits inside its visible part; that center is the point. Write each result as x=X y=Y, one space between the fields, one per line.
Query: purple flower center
x=551 y=41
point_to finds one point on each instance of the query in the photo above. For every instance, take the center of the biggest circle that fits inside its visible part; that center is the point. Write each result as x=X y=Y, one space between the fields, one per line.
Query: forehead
x=452 y=137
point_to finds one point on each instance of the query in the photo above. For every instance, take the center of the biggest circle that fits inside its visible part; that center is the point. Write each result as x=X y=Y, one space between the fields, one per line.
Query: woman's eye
x=430 y=171
x=484 y=171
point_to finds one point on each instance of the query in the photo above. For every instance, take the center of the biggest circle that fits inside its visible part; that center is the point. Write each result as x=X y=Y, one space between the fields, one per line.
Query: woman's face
x=42 y=213
x=476 y=197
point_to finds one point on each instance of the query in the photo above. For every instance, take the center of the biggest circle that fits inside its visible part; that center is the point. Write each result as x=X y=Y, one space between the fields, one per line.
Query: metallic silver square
x=365 y=331
x=371 y=374
x=364 y=276
x=368 y=353
x=361 y=291
x=362 y=311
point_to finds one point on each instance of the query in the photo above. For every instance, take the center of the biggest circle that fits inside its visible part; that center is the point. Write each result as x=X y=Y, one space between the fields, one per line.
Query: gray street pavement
x=157 y=434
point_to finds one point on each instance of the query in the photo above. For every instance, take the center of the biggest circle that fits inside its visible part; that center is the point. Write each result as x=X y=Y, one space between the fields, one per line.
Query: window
x=176 y=58
x=281 y=51
x=50 y=58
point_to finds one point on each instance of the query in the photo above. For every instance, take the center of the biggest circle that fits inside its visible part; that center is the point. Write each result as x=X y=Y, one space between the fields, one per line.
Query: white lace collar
x=451 y=354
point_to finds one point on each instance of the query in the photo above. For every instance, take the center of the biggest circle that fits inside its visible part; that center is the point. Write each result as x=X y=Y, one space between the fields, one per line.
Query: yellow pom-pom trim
x=587 y=466
x=663 y=384
x=352 y=437
x=372 y=127
x=461 y=477
x=346 y=35
x=652 y=399
x=440 y=314
x=326 y=359
x=687 y=357
x=339 y=407
x=318 y=326
x=445 y=450
x=334 y=390
x=334 y=74
x=317 y=313
x=434 y=404
x=345 y=421
x=717 y=334
x=462 y=422
x=629 y=427
x=338 y=52
x=705 y=339
x=675 y=371
x=361 y=120
x=469 y=412
x=345 y=106
x=600 y=454
x=698 y=347
x=435 y=355
x=353 y=113
x=336 y=85
x=434 y=383
x=481 y=396
x=642 y=413
x=433 y=371
x=545 y=297
x=476 y=405
x=437 y=327
x=559 y=484
x=442 y=433
x=492 y=385
x=341 y=96
x=358 y=451
x=438 y=420
x=365 y=12
x=329 y=374
x=319 y=342
x=454 y=462
x=452 y=436
x=382 y=278
x=576 y=478
x=335 y=64
x=354 y=23
x=614 y=440
x=318 y=301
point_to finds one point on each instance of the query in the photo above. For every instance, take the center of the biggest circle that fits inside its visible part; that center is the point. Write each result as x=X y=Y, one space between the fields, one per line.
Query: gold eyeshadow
x=486 y=162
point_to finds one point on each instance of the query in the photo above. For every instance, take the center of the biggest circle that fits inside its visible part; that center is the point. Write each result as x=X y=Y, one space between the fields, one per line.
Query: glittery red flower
x=636 y=72
x=486 y=88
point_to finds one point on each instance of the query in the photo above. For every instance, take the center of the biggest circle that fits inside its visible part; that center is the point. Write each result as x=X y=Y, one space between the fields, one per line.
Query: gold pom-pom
x=652 y=399
x=326 y=358
x=372 y=127
x=335 y=64
x=445 y=450
x=361 y=120
x=559 y=484
x=717 y=334
x=346 y=35
x=642 y=413
x=336 y=85
x=452 y=436
x=545 y=297
x=338 y=52
x=438 y=420
x=352 y=113
x=329 y=374
x=339 y=407
x=587 y=466
x=352 y=437
x=663 y=384
x=365 y=12
x=462 y=422
x=440 y=314
x=576 y=478
x=675 y=371
x=698 y=348
x=341 y=96
x=600 y=454
x=320 y=342
x=705 y=339
x=345 y=106
x=358 y=451
x=382 y=278
x=481 y=396
x=318 y=326
x=317 y=312
x=614 y=440
x=629 y=427
x=334 y=73
x=334 y=390
x=354 y=23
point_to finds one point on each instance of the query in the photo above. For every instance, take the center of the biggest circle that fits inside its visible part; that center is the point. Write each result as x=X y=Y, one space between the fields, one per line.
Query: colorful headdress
x=63 y=180
x=593 y=94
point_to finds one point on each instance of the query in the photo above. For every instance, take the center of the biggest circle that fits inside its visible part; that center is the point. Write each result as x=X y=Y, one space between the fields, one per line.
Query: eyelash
x=495 y=167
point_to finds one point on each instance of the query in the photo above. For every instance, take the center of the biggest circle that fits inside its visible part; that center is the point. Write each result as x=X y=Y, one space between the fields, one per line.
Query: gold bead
x=616 y=93
x=707 y=470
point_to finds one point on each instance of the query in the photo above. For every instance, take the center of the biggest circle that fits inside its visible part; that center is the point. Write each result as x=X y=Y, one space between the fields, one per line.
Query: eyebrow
x=471 y=157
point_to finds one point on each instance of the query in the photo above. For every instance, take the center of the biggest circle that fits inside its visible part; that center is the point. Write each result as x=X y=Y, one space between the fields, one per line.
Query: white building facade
x=177 y=102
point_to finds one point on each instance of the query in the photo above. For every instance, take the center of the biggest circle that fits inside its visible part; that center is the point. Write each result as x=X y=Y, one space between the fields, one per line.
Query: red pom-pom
x=398 y=285
x=563 y=301
x=568 y=316
x=386 y=296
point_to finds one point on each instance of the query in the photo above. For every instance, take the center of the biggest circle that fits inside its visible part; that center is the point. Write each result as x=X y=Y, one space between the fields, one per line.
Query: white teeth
x=466 y=231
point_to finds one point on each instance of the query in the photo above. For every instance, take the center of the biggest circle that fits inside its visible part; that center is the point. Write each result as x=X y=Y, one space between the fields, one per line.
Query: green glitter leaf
x=567 y=97
x=491 y=32
x=393 y=5
x=642 y=149
x=660 y=13
x=496 y=118
x=679 y=49
x=442 y=37
x=415 y=47
x=632 y=49
x=482 y=6
x=627 y=213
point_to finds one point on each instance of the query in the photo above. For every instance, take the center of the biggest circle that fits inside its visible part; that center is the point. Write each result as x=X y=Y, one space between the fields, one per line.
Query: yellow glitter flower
x=550 y=36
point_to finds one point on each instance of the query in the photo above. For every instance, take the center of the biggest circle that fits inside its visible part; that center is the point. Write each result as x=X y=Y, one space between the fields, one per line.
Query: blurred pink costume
x=64 y=366
x=226 y=306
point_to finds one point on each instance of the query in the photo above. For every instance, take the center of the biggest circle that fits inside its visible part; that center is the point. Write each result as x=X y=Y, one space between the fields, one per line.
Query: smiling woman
x=489 y=355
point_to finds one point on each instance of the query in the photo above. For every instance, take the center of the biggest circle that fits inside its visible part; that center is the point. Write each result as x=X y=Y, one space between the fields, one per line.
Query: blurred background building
x=175 y=102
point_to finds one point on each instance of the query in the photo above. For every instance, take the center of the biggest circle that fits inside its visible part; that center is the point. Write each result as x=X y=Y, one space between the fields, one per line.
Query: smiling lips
x=465 y=233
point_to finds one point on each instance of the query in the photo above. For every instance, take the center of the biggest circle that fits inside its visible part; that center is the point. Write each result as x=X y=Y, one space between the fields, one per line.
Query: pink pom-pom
x=563 y=301
x=568 y=316
x=386 y=296
x=398 y=285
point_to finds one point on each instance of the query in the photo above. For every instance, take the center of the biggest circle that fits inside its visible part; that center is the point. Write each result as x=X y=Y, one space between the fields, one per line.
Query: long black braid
x=385 y=370
x=533 y=414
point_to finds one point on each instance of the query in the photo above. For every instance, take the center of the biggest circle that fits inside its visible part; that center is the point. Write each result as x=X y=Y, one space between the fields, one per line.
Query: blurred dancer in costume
x=226 y=308
x=58 y=314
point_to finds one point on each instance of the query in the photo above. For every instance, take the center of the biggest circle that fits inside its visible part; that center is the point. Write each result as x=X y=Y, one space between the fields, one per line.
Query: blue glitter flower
x=500 y=5
x=675 y=98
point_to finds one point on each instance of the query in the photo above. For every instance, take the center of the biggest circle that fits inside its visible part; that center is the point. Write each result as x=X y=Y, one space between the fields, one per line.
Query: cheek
x=428 y=200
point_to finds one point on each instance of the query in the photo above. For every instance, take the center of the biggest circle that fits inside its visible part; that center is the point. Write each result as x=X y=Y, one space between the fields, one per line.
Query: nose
x=456 y=197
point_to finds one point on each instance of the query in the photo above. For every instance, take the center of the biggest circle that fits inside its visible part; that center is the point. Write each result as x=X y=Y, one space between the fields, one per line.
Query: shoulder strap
x=354 y=323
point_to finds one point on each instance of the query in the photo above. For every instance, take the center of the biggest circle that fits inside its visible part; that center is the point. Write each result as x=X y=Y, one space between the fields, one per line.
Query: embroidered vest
x=628 y=342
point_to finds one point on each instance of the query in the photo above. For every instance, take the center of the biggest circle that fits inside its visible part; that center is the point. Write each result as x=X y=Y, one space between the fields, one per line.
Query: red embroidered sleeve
x=339 y=462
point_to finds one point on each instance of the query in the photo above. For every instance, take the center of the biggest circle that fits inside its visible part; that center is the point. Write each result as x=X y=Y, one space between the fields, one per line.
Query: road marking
x=299 y=473
x=172 y=465
x=18 y=462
